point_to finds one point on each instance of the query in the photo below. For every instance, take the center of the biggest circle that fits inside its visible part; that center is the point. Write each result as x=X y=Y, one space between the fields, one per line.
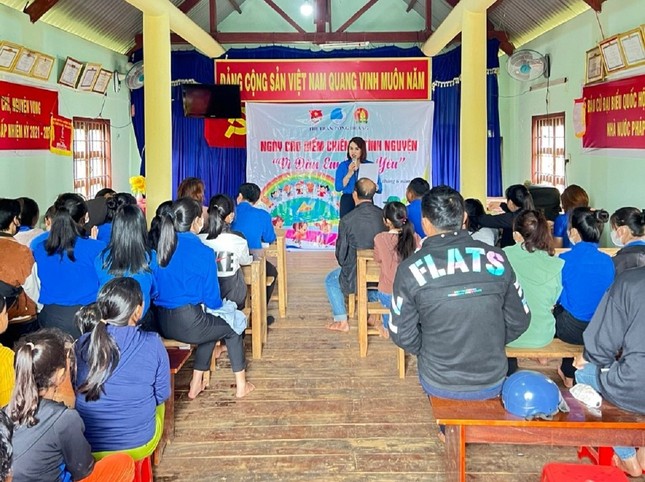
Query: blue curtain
x=446 y=69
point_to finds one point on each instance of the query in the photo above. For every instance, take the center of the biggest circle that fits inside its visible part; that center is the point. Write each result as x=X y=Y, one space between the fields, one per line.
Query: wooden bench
x=486 y=422
x=256 y=305
x=278 y=250
x=555 y=349
x=368 y=271
x=177 y=356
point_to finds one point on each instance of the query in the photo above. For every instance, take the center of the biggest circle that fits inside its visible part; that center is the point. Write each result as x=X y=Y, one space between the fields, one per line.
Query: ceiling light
x=344 y=45
x=306 y=8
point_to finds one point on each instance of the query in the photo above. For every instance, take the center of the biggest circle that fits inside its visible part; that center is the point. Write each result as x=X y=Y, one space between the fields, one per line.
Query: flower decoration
x=138 y=184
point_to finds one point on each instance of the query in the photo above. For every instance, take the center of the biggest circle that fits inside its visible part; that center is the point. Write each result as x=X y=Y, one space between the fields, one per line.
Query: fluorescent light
x=306 y=8
x=344 y=45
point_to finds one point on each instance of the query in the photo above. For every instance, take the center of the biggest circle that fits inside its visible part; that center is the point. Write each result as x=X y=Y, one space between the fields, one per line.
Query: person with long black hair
x=390 y=248
x=65 y=264
x=155 y=224
x=187 y=283
x=231 y=249
x=113 y=204
x=128 y=254
x=518 y=198
x=123 y=373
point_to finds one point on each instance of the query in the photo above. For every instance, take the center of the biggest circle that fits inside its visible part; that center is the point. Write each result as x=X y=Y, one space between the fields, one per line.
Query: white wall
x=612 y=178
x=43 y=175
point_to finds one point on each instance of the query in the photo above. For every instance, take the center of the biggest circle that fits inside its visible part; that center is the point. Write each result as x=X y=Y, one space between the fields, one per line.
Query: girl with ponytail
x=123 y=373
x=390 y=248
x=586 y=276
x=113 y=204
x=628 y=232
x=48 y=440
x=187 y=283
x=230 y=248
x=65 y=263
x=539 y=273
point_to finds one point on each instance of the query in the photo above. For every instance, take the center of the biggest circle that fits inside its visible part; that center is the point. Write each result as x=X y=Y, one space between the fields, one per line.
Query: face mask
x=616 y=239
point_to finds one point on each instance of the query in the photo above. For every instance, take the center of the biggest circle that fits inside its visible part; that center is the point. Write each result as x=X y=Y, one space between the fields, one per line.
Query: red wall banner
x=25 y=116
x=615 y=114
x=61 y=135
x=314 y=80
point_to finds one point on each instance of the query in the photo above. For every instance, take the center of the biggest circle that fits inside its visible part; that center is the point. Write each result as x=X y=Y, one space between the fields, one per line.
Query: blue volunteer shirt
x=560 y=229
x=586 y=275
x=145 y=278
x=341 y=172
x=414 y=215
x=254 y=223
x=190 y=278
x=105 y=232
x=66 y=282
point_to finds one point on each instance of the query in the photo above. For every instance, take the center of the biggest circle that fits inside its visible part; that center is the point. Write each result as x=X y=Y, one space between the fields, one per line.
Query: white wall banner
x=293 y=151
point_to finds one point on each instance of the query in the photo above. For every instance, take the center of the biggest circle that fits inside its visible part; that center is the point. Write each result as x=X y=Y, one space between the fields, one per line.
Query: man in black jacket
x=356 y=230
x=456 y=304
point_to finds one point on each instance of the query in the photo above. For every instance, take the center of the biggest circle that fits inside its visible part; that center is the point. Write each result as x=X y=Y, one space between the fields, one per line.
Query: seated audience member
x=456 y=305
x=474 y=209
x=518 y=198
x=390 y=248
x=586 y=275
x=6 y=448
x=613 y=361
x=65 y=263
x=29 y=215
x=47 y=220
x=539 y=274
x=572 y=197
x=187 y=283
x=231 y=249
x=17 y=271
x=123 y=373
x=415 y=191
x=356 y=230
x=113 y=204
x=106 y=193
x=628 y=233
x=6 y=359
x=255 y=225
x=127 y=254
x=194 y=188
x=155 y=225
x=48 y=440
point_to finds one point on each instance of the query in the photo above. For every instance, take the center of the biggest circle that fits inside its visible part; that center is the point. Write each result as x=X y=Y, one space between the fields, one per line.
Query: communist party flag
x=226 y=132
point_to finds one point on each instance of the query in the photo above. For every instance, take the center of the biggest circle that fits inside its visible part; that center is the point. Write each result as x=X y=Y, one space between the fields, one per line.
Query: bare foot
x=373 y=320
x=338 y=326
x=568 y=382
x=219 y=349
x=248 y=388
x=198 y=384
x=640 y=456
x=383 y=332
x=630 y=466
x=543 y=361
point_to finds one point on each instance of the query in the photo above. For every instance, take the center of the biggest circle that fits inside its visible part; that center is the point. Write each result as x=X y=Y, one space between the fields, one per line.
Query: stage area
x=320 y=412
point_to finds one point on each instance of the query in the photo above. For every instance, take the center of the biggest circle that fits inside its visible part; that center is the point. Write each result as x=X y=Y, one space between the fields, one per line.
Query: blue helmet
x=529 y=394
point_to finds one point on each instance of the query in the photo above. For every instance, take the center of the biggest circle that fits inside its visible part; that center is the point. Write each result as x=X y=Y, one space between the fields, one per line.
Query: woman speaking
x=348 y=173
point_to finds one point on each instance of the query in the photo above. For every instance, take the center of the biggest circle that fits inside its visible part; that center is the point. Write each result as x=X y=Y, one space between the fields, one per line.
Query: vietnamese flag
x=226 y=132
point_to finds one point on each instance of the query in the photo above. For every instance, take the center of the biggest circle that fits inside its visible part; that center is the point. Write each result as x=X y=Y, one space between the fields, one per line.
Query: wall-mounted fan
x=133 y=78
x=528 y=65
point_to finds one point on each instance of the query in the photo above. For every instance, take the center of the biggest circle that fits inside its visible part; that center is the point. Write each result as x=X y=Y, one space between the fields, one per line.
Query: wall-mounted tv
x=212 y=100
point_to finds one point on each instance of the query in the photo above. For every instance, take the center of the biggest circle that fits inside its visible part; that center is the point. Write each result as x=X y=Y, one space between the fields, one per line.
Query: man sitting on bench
x=456 y=304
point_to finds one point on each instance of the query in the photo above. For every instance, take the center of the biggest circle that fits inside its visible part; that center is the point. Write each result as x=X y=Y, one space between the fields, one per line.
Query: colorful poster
x=322 y=80
x=615 y=114
x=62 y=130
x=25 y=116
x=293 y=151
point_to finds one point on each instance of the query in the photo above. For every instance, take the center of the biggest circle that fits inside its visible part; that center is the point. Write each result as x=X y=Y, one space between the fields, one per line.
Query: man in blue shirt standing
x=256 y=226
x=415 y=191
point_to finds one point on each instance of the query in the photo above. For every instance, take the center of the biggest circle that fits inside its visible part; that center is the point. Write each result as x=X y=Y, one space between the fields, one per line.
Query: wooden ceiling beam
x=428 y=15
x=595 y=4
x=411 y=5
x=284 y=15
x=504 y=42
x=321 y=15
x=212 y=10
x=187 y=5
x=38 y=8
x=357 y=15
x=235 y=6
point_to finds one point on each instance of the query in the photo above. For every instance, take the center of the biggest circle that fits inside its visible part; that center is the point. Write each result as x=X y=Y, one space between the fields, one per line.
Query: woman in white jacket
x=231 y=249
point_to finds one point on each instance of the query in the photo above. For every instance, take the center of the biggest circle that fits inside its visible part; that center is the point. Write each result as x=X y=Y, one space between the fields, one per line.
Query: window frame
x=89 y=183
x=538 y=176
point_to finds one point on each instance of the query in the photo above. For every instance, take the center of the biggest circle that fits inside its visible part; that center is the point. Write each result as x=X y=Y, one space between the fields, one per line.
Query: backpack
x=9 y=293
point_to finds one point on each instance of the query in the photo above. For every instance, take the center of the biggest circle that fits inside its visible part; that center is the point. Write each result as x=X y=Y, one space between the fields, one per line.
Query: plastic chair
x=556 y=472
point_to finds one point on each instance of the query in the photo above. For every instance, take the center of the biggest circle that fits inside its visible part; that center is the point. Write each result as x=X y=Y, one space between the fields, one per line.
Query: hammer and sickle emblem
x=235 y=126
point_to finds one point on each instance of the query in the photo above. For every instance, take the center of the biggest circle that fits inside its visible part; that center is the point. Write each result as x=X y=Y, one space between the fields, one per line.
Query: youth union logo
x=315 y=116
x=337 y=116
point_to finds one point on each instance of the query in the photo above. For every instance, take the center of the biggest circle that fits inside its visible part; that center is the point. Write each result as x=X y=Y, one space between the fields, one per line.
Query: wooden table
x=486 y=422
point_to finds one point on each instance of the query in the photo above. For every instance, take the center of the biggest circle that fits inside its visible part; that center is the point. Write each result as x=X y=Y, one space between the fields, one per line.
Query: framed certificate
x=43 y=67
x=595 y=69
x=89 y=76
x=70 y=73
x=8 y=55
x=612 y=54
x=102 y=81
x=25 y=62
x=633 y=46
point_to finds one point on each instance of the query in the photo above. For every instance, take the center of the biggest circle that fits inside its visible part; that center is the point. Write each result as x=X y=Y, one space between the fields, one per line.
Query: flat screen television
x=219 y=101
